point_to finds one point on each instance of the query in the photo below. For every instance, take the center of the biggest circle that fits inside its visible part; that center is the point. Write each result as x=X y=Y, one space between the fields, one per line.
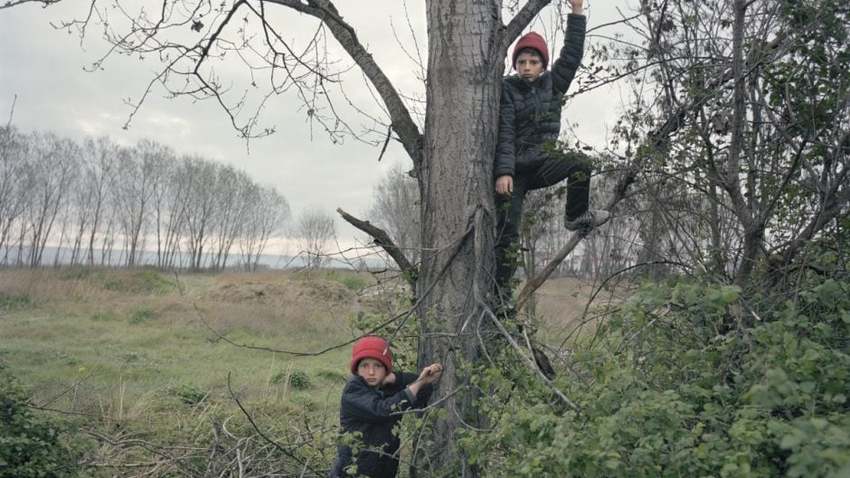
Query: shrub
x=189 y=394
x=149 y=280
x=141 y=281
x=297 y=379
x=30 y=446
x=14 y=302
x=75 y=272
x=146 y=280
x=141 y=315
x=685 y=379
x=353 y=282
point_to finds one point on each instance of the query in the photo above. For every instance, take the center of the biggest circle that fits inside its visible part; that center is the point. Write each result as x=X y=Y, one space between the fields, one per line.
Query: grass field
x=131 y=336
x=152 y=352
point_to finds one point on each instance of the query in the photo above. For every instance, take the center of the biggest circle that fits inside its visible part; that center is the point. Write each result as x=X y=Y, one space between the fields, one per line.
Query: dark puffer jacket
x=371 y=412
x=530 y=112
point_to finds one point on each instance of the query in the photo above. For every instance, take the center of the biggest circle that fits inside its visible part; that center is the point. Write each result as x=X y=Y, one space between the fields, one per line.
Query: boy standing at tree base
x=371 y=406
x=526 y=158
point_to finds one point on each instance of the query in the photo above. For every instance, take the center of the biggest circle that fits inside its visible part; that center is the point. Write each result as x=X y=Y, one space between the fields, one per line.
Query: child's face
x=529 y=66
x=372 y=371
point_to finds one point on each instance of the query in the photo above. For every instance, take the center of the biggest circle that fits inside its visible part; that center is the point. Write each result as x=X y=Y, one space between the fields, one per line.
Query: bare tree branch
x=383 y=240
x=733 y=166
x=530 y=362
x=656 y=141
x=12 y=111
x=522 y=19
x=13 y=3
x=402 y=123
x=266 y=437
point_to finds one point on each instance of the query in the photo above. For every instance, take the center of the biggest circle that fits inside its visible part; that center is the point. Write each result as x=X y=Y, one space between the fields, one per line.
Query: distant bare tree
x=229 y=213
x=100 y=165
x=80 y=212
x=395 y=208
x=139 y=176
x=54 y=163
x=88 y=197
x=168 y=210
x=313 y=232
x=13 y=184
x=200 y=177
x=266 y=215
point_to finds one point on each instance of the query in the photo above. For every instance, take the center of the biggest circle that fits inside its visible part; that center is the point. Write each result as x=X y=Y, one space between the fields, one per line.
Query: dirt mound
x=281 y=291
x=326 y=290
x=144 y=280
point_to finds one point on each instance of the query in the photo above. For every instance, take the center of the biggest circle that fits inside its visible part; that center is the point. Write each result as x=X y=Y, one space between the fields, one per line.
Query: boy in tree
x=371 y=402
x=529 y=125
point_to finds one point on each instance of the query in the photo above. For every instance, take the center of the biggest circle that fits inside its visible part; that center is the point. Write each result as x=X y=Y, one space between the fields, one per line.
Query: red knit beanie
x=534 y=41
x=372 y=347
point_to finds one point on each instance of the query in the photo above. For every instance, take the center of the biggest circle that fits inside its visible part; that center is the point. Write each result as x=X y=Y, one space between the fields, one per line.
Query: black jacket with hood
x=373 y=413
x=530 y=112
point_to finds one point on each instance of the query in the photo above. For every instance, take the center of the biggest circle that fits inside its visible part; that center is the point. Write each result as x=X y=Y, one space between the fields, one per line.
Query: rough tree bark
x=465 y=45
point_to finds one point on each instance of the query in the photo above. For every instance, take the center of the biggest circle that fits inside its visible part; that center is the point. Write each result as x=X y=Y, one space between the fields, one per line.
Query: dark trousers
x=552 y=170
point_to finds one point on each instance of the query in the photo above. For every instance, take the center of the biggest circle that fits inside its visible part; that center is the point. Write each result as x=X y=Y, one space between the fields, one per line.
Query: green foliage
x=353 y=282
x=76 y=272
x=14 y=302
x=297 y=379
x=685 y=379
x=103 y=316
x=189 y=394
x=30 y=446
x=141 y=315
x=146 y=280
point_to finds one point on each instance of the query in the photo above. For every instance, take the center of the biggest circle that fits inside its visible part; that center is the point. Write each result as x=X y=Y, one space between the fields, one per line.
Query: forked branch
x=383 y=240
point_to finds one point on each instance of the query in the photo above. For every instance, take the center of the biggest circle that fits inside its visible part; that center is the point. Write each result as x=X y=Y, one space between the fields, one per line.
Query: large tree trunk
x=464 y=71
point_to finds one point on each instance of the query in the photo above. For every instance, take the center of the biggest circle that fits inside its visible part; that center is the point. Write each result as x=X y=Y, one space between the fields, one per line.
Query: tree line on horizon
x=96 y=202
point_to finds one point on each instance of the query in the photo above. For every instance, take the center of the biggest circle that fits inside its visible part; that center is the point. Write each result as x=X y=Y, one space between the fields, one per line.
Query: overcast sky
x=44 y=68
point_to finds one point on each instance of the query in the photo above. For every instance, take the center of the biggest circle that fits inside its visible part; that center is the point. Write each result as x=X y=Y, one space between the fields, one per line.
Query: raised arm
x=565 y=67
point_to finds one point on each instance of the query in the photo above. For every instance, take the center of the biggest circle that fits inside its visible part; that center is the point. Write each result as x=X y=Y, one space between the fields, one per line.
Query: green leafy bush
x=30 y=446
x=146 y=281
x=685 y=379
x=76 y=272
x=14 y=302
x=353 y=282
x=141 y=315
x=297 y=379
x=189 y=394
